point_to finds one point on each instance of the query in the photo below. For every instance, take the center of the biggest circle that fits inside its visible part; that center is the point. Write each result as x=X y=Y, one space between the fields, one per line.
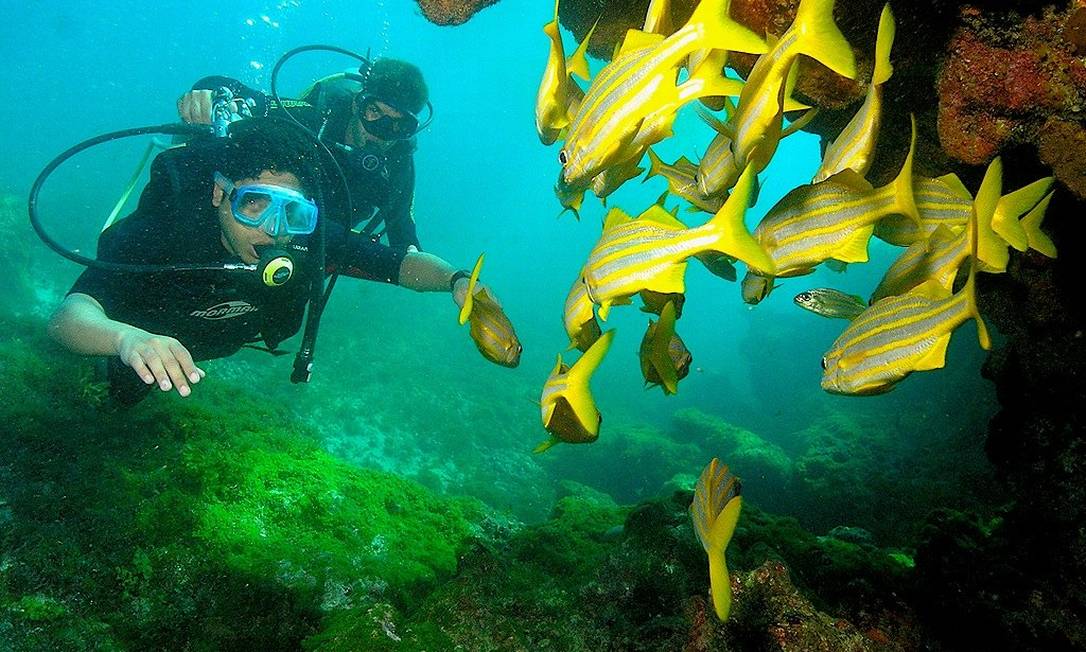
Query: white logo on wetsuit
x=225 y=310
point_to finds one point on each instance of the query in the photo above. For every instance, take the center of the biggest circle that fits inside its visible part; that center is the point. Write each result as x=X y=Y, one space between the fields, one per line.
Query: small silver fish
x=831 y=303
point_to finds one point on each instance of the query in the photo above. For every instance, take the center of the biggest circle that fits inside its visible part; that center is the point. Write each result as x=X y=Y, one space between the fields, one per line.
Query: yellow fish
x=490 y=328
x=854 y=148
x=569 y=413
x=570 y=197
x=579 y=320
x=681 y=180
x=658 y=18
x=833 y=219
x=665 y=359
x=553 y=100
x=1012 y=206
x=715 y=512
x=1031 y=224
x=812 y=33
x=632 y=101
x=650 y=253
x=614 y=177
x=943 y=201
x=910 y=332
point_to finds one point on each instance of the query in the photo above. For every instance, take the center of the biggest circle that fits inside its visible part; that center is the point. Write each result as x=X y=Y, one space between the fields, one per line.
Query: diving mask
x=275 y=209
x=383 y=126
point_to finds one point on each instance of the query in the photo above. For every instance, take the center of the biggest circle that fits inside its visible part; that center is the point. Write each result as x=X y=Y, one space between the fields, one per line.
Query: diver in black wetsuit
x=210 y=201
x=370 y=128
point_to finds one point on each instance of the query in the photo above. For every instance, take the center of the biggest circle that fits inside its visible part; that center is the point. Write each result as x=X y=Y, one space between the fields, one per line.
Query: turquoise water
x=398 y=384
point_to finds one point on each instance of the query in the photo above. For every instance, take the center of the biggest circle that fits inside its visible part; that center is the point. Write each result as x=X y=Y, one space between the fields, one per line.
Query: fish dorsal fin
x=469 y=299
x=684 y=164
x=638 y=40
x=661 y=216
x=716 y=123
x=932 y=289
x=851 y=179
x=955 y=184
x=615 y=217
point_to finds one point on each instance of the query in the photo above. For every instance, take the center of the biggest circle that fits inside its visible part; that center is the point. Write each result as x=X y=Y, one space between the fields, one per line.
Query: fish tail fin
x=656 y=165
x=469 y=298
x=1012 y=206
x=586 y=365
x=904 y=200
x=729 y=225
x=661 y=358
x=721 y=533
x=723 y=33
x=1031 y=224
x=821 y=39
x=884 y=42
x=971 y=284
x=991 y=249
x=577 y=64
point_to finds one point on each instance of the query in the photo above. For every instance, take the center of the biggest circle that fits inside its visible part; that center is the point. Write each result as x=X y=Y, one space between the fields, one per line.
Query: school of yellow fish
x=608 y=128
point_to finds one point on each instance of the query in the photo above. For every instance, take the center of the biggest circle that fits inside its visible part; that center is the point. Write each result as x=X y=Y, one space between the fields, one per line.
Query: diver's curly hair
x=259 y=144
x=398 y=83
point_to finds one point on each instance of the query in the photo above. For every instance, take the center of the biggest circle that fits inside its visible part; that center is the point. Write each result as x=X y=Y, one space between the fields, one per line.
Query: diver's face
x=240 y=239
x=369 y=111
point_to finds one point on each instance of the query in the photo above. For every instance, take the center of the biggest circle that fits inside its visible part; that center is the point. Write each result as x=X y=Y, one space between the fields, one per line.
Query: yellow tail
x=734 y=238
x=821 y=39
x=719 y=537
x=1031 y=224
x=723 y=33
x=1013 y=206
x=469 y=299
x=884 y=42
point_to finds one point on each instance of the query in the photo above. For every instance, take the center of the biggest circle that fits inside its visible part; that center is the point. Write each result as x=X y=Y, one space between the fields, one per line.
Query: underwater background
x=394 y=502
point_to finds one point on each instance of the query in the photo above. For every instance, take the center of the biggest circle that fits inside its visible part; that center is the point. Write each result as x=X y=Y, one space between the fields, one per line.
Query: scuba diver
x=251 y=199
x=369 y=121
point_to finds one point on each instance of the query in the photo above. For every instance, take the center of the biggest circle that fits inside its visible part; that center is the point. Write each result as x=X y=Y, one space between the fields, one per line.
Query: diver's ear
x=216 y=195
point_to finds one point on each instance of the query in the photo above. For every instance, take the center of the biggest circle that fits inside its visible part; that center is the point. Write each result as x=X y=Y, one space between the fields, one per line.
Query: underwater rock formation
x=452 y=12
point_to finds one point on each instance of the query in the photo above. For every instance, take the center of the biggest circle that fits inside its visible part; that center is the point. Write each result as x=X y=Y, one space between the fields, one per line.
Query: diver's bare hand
x=159 y=359
x=194 y=107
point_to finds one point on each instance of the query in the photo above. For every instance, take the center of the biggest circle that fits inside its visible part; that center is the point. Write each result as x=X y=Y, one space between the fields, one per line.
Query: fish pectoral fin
x=854 y=249
x=546 y=445
x=935 y=358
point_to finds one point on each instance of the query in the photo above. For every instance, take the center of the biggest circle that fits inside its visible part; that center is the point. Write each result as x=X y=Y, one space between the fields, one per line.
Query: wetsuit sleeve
x=357 y=255
x=215 y=82
x=399 y=221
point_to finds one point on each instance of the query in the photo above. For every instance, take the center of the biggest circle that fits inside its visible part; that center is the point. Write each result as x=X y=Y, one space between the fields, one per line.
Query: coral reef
x=452 y=12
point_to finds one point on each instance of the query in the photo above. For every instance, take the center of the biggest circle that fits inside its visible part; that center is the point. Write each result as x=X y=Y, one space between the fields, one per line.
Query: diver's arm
x=80 y=325
x=425 y=272
x=194 y=107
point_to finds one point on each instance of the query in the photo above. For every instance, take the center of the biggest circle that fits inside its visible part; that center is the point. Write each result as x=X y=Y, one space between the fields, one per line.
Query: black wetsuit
x=382 y=183
x=212 y=313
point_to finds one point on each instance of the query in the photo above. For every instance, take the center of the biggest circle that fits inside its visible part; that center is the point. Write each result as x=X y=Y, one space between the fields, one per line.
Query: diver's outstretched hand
x=159 y=359
x=194 y=107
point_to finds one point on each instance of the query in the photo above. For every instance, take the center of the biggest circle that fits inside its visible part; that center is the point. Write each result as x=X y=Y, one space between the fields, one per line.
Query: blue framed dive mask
x=275 y=209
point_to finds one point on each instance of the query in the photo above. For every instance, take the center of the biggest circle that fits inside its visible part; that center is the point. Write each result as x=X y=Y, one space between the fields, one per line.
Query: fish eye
x=563 y=158
x=824 y=364
x=803 y=296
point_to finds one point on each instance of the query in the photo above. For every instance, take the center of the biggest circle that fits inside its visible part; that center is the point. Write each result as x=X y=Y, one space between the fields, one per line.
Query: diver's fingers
x=165 y=366
x=140 y=367
x=202 y=111
x=184 y=358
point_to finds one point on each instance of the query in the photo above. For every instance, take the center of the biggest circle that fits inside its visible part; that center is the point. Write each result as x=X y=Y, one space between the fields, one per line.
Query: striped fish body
x=755 y=287
x=831 y=303
x=854 y=148
x=817 y=222
x=638 y=82
x=492 y=331
x=757 y=123
x=717 y=171
x=579 y=320
x=551 y=101
x=715 y=513
x=612 y=178
x=640 y=254
x=937 y=258
x=681 y=179
x=895 y=337
x=940 y=202
x=664 y=357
